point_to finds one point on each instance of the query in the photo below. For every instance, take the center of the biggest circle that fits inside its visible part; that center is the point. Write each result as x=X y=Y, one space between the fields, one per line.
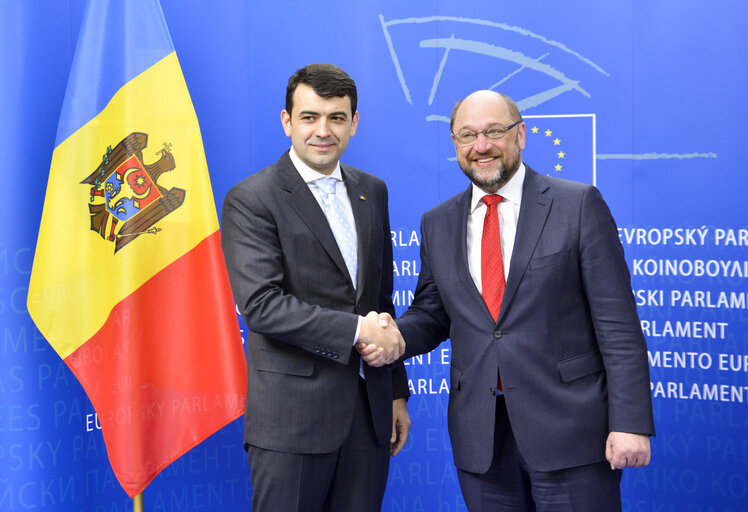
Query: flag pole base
x=137 y=503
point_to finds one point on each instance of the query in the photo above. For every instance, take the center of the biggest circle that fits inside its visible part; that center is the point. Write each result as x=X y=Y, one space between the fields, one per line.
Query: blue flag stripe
x=120 y=48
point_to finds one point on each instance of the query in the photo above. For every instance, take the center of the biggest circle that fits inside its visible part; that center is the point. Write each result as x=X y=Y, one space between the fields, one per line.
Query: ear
x=354 y=124
x=286 y=121
x=521 y=136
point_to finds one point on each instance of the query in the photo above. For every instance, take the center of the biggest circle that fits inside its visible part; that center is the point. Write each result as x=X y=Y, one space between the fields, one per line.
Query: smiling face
x=319 y=127
x=490 y=164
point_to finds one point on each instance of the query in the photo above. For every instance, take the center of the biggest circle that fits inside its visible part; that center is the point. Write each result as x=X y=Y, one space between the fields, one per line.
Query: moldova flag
x=128 y=283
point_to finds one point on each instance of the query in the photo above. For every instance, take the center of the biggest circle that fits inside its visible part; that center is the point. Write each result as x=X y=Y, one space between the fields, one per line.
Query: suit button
x=492 y=390
x=497 y=334
x=335 y=355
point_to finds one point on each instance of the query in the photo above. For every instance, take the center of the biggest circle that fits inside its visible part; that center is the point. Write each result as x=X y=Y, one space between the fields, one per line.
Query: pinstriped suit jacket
x=291 y=284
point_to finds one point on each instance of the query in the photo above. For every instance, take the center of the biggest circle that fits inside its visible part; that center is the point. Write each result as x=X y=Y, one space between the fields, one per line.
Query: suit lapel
x=536 y=204
x=302 y=201
x=457 y=223
x=362 y=215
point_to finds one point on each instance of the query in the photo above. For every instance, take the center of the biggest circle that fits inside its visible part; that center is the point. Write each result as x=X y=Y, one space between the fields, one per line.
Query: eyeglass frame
x=506 y=130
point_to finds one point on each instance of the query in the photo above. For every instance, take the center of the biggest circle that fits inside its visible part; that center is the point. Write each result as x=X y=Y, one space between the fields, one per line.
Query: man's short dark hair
x=326 y=80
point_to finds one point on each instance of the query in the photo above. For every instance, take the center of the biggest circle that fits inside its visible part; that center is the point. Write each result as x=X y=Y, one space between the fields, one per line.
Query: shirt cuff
x=358 y=329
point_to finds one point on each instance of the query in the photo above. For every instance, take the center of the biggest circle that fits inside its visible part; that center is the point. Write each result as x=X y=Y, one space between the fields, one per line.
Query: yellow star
x=561 y=154
x=557 y=142
x=548 y=133
x=534 y=129
x=558 y=167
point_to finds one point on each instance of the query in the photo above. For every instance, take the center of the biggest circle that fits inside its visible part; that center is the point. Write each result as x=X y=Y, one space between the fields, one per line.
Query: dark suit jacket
x=568 y=341
x=295 y=294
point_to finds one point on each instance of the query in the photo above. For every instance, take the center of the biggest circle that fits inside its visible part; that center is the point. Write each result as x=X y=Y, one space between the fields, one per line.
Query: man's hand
x=380 y=341
x=400 y=425
x=624 y=450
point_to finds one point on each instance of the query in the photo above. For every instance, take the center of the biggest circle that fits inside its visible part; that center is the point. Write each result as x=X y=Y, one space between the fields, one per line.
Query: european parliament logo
x=481 y=49
x=439 y=59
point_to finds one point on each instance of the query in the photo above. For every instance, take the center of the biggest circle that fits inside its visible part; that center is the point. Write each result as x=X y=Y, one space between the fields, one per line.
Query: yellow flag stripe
x=77 y=278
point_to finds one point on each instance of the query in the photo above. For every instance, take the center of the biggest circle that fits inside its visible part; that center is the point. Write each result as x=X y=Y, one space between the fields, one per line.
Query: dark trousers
x=352 y=478
x=511 y=485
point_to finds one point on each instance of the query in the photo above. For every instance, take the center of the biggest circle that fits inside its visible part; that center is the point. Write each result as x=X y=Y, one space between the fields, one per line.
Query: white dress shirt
x=341 y=192
x=508 y=210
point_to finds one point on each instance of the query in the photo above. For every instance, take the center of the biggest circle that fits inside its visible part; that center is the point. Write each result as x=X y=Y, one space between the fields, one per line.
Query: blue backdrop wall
x=644 y=99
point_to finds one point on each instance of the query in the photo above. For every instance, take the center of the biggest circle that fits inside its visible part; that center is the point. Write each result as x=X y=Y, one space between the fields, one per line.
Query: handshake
x=379 y=341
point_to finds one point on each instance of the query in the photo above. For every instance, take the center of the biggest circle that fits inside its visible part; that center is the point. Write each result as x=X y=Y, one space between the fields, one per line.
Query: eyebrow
x=314 y=113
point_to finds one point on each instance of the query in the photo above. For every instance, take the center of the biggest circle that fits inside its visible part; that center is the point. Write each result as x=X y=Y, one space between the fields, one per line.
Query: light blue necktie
x=345 y=235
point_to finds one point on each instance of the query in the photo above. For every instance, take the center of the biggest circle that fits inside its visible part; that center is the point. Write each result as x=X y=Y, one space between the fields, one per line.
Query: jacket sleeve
x=607 y=284
x=252 y=248
x=425 y=324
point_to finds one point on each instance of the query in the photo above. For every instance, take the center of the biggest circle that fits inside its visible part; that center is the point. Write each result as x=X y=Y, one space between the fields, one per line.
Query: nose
x=481 y=144
x=322 y=130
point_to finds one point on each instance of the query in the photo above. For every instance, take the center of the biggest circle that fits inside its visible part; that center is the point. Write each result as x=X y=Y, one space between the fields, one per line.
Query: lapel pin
x=363 y=198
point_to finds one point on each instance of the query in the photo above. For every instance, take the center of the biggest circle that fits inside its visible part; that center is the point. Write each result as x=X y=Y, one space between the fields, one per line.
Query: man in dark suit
x=549 y=394
x=307 y=245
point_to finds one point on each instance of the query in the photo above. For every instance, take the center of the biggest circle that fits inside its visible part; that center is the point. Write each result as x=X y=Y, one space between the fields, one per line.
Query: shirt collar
x=511 y=191
x=307 y=173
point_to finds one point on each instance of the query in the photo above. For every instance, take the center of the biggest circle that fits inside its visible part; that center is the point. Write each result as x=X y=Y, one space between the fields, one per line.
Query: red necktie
x=491 y=263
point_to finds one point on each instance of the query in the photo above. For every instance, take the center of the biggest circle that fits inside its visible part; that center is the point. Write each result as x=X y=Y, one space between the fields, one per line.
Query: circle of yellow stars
x=556 y=142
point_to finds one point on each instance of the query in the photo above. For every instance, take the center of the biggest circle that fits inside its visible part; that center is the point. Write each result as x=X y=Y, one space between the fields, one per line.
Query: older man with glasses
x=549 y=395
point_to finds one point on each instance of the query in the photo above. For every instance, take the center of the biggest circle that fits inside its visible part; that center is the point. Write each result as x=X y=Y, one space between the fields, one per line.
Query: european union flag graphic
x=561 y=146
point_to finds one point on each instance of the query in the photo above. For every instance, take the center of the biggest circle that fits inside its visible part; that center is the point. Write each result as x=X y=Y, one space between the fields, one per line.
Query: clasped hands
x=379 y=341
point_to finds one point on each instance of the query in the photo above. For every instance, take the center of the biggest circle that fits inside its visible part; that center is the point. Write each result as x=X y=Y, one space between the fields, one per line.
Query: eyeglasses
x=492 y=133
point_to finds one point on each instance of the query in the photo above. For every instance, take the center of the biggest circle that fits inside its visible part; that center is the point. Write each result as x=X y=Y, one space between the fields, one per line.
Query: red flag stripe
x=157 y=381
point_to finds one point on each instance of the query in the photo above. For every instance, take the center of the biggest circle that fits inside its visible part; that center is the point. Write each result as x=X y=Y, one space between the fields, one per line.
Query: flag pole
x=137 y=503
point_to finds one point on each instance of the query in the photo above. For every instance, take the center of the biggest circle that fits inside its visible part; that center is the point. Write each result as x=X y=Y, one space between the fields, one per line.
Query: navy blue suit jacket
x=568 y=341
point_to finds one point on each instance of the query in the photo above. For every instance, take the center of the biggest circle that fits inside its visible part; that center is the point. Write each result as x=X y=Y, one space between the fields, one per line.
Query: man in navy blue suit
x=549 y=395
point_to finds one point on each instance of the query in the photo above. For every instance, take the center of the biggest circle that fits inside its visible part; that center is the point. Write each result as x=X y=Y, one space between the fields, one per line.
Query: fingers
x=609 y=453
x=384 y=319
x=400 y=425
x=365 y=349
x=393 y=440
x=370 y=353
x=625 y=450
x=400 y=437
x=376 y=362
x=396 y=445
